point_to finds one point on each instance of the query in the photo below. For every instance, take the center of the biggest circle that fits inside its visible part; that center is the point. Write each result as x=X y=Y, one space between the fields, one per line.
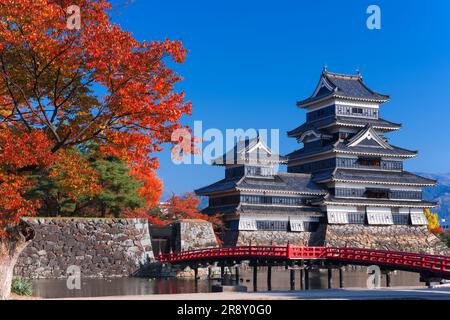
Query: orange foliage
x=74 y=175
x=19 y=152
x=185 y=207
x=47 y=76
x=152 y=186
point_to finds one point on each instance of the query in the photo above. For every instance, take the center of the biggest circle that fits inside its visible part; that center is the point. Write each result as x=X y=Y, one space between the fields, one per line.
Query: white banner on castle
x=379 y=216
x=247 y=225
x=297 y=224
x=418 y=217
x=337 y=217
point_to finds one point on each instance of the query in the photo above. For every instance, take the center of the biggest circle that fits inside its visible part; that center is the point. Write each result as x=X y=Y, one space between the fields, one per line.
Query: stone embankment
x=99 y=247
x=397 y=238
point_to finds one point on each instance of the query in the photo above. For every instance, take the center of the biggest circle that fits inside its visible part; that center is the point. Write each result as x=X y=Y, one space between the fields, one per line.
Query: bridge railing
x=392 y=258
x=297 y=252
x=426 y=262
x=237 y=252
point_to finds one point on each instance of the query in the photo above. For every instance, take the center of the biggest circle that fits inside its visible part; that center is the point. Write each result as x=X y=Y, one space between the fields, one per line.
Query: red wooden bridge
x=431 y=265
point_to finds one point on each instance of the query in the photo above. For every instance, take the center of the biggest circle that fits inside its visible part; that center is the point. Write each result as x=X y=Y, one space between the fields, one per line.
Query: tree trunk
x=10 y=249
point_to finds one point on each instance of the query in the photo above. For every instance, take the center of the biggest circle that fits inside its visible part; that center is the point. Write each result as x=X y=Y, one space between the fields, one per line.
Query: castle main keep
x=345 y=186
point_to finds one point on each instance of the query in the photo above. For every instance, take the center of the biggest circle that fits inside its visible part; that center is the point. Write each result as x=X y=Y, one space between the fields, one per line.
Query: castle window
x=265 y=225
x=358 y=111
x=377 y=194
x=369 y=162
x=356 y=218
x=400 y=218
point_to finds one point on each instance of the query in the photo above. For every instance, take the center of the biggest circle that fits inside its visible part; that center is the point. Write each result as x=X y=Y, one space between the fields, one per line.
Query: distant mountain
x=440 y=193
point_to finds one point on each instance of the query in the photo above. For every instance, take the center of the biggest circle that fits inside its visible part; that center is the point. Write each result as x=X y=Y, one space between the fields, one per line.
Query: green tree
x=119 y=189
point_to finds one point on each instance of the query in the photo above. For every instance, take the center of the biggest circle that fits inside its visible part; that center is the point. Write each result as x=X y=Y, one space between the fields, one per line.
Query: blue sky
x=250 y=61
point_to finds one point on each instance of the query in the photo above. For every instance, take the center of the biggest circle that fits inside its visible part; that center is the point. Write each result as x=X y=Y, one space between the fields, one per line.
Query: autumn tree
x=187 y=207
x=62 y=87
x=60 y=188
x=433 y=222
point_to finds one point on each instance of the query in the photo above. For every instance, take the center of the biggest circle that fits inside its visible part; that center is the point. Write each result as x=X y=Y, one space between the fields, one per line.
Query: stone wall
x=399 y=238
x=100 y=247
x=193 y=234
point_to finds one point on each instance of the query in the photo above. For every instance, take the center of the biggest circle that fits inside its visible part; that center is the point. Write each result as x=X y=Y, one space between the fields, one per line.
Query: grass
x=22 y=287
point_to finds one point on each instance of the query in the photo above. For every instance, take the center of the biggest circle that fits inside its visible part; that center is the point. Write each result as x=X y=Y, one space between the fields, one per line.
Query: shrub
x=22 y=287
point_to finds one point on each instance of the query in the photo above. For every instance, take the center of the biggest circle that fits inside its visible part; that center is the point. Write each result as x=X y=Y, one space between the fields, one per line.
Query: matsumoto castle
x=345 y=185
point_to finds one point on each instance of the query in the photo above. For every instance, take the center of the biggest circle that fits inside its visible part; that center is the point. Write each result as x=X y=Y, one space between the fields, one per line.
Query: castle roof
x=285 y=183
x=342 y=147
x=269 y=211
x=250 y=151
x=372 y=177
x=351 y=122
x=366 y=142
x=335 y=85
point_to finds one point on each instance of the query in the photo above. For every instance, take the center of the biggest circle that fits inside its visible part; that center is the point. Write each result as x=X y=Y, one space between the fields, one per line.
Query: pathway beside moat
x=334 y=294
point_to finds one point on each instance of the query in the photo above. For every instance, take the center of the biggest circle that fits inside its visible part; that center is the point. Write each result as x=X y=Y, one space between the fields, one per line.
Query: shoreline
x=400 y=293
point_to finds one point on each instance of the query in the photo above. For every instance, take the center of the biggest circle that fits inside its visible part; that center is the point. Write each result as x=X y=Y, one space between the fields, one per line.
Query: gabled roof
x=359 y=150
x=335 y=85
x=365 y=150
x=378 y=124
x=352 y=122
x=366 y=142
x=283 y=183
x=249 y=151
x=373 y=177
x=368 y=137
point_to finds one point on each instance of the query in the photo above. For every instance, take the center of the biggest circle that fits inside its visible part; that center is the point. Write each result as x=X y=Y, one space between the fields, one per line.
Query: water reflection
x=137 y=286
x=116 y=287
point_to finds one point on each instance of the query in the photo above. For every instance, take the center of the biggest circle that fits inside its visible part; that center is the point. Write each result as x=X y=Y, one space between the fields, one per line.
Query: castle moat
x=139 y=286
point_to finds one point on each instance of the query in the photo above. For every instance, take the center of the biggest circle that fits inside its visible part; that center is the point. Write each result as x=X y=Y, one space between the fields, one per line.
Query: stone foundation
x=193 y=234
x=99 y=247
x=398 y=238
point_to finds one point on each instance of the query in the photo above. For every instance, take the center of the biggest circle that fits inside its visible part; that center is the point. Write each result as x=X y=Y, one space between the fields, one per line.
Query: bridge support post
x=302 y=285
x=388 y=279
x=330 y=278
x=255 y=278
x=196 y=277
x=307 y=279
x=222 y=273
x=269 y=278
x=341 y=277
x=292 y=272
